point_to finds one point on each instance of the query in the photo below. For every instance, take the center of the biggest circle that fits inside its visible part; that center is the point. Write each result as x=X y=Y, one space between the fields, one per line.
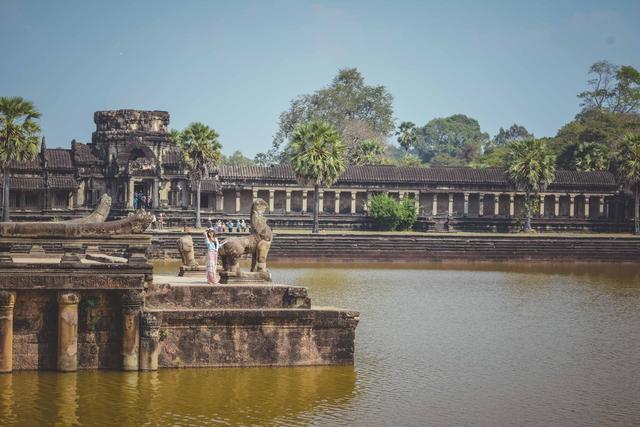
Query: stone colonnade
x=140 y=333
x=353 y=201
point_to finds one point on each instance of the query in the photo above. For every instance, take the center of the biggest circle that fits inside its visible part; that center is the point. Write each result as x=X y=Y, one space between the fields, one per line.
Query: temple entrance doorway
x=143 y=188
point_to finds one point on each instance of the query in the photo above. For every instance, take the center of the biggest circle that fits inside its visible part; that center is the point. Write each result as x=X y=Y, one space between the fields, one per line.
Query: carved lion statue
x=187 y=252
x=257 y=243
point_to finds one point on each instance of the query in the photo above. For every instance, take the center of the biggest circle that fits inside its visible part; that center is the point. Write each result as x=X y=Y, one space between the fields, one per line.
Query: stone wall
x=35 y=333
x=426 y=247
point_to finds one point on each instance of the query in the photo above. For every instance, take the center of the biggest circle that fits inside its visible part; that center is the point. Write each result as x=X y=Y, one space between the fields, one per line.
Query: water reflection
x=439 y=344
x=199 y=396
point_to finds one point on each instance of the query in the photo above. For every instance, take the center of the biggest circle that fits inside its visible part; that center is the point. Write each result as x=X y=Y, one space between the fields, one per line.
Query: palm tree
x=592 y=156
x=200 y=151
x=531 y=168
x=18 y=139
x=317 y=158
x=368 y=152
x=407 y=135
x=628 y=169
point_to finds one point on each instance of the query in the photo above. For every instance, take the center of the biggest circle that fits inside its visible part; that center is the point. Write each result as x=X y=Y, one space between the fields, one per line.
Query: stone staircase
x=246 y=325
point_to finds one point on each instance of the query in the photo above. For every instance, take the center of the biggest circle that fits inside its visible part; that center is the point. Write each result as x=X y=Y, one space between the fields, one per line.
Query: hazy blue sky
x=236 y=65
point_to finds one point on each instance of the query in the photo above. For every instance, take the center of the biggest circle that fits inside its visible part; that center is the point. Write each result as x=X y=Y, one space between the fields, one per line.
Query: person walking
x=213 y=246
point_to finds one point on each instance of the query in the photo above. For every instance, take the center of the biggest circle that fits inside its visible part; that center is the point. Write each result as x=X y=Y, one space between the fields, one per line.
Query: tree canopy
x=237 y=159
x=358 y=111
x=18 y=138
x=200 y=149
x=612 y=88
x=454 y=140
x=317 y=156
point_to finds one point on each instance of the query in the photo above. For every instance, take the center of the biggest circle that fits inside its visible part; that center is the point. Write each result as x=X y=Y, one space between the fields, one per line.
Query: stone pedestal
x=131 y=304
x=149 y=342
x=192 y=270
x=244 y=277
x=68 y=332
x=7 y=302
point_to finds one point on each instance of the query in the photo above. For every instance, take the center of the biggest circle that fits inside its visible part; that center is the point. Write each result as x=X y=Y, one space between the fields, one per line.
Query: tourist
x=243 y=226
x=154 y=222
x=238 y=226
x=161 y=221
x=149 y=203
x=136 y=198
x=229 y=226
x=143 y=200
x=213 y=246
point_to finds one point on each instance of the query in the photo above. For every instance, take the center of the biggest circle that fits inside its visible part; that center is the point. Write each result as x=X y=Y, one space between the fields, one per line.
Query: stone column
x=496 y=204
x=353 y=202
x=271 y=201
x=131 y=303
x=237 y=201
x=130 y=189
x=586 y=207
x=416 y=201
x=512 y=205
x=572 y=209
x=400 y=195
x=68 y=332
x=337 y=202
x=155 y=201
x=450 y=205
x=556 y=205
x=542 y=196
x=287 y=208
x=601 y=206
x=221 y=199
x=320 y=201
x=7 y=302
x=304 y=201
x=434 y=205
x=149 y=342
x=466 y=204
x=480 y=204
x=255 y=194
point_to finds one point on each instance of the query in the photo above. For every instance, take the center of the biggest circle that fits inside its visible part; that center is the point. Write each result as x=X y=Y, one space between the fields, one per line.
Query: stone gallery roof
x=62 y=182
x=171 y=158
x=26 y=183
x=58 y=158
x=413 y=175
x=210 y=186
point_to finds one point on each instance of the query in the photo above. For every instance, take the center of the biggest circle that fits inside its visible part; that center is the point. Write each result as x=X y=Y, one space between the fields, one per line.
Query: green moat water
x=439 y=344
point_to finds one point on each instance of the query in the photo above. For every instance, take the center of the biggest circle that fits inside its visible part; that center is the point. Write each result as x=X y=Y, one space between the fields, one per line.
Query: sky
x=236 y=65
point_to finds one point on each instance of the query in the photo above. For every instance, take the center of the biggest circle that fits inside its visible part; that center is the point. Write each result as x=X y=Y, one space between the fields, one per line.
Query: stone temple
x=131 y=151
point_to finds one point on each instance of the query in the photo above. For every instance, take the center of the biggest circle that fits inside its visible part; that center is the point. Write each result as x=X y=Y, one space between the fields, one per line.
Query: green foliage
x=237 y=159
x=531 y=167
x=317 y=153
x=358 y=111
x=453 y=140
x=594 y=126
x=368 y=152
x=591 y=156
x=628 y=169
x=494 y=157
x=407 y=135
x=612 y=88
x=628 y=160
x=200 y=150
x=386 y=213
x=409 y=160
x=514 y=133
x=18 y=138
x=317 y=156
